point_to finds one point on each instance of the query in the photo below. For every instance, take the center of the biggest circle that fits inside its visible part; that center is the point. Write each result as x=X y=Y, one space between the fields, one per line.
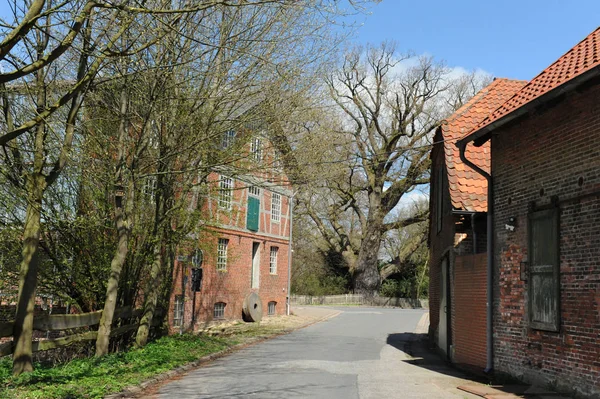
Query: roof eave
x=482 y=135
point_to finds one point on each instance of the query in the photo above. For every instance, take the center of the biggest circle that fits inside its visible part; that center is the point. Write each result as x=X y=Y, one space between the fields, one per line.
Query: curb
x=134 y=390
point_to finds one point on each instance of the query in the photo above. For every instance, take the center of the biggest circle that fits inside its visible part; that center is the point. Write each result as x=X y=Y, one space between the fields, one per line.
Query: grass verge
x=97 y=377
x=93 y=378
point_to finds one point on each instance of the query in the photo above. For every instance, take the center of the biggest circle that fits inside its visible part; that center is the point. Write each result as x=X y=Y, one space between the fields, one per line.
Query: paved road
x=360 y=353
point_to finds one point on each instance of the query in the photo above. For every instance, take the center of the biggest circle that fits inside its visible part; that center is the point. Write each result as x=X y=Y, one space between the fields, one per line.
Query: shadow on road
x=416 y=346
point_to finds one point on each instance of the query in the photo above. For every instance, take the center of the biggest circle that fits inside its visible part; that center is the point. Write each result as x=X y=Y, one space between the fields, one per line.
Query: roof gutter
x=482 y=135
x=490 y=257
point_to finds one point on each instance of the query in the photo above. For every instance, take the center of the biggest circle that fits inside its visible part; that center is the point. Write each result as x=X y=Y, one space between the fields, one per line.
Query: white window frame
x=218 y=310
x=256 y=149
x=275 y=207
x=225 y=192
x=228 y=139
x=273 y=260
x=222 y=247
x=254 y=191
x=150 y=183
x=178 y=307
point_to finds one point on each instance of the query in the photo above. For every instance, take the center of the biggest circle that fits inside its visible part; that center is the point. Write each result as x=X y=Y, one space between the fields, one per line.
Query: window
x=178 y=311
x=228 y=139
x=225 y=192
x=276 y=207
x=271 y=308
x=544 y=268
x=256 y=149
x=273 y=260
x=254 y=191
x=222 y=254
x=150 y=188
x=219 y=312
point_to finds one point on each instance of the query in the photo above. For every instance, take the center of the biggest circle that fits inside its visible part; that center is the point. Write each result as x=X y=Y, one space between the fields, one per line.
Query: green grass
x=97 y=377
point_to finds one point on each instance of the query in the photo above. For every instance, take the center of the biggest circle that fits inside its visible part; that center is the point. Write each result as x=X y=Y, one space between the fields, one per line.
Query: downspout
x=490 y=256
x=289 y=282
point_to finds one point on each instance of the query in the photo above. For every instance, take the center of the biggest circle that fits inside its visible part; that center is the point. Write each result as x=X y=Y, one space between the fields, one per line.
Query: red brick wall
x=469 y=309
x=233 y=285
x=236 y=216
x=550 y=150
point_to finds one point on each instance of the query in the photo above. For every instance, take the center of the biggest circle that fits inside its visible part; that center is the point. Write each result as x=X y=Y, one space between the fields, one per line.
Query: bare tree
x=373 y=151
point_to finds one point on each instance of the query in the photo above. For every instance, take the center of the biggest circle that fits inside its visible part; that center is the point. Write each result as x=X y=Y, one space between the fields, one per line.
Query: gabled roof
x=580 y=59
x=468 y=189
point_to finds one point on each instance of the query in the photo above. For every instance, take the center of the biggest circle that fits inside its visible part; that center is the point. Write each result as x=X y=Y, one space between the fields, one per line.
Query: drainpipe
x=490 y=256
x=289 y=282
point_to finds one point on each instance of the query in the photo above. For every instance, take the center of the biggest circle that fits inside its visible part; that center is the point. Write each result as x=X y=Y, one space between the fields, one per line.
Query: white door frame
x=255 y=265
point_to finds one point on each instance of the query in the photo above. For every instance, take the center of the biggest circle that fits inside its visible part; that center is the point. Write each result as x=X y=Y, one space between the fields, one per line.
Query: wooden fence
x=359 y=299
x=61 y=322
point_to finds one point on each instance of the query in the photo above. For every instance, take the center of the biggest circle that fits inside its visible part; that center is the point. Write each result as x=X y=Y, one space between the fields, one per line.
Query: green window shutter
x=544 y=277
x=252 y=216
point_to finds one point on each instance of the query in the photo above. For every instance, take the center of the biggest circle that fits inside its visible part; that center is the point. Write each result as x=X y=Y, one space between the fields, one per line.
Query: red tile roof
x=468 y=189
x=581 y=58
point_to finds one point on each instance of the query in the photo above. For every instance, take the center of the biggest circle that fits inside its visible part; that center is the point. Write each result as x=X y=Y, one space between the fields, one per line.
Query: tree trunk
x=366 y=275
x=116 y=266
x=151 y=297
x=123 y=225
x=23 y=327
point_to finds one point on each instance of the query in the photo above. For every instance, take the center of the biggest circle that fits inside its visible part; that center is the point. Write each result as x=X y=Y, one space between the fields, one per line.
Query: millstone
x=252 y=308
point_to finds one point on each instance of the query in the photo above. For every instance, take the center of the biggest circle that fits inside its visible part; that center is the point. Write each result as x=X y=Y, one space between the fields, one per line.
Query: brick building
x=244 y=248
x=546 y=210
x=457 y=241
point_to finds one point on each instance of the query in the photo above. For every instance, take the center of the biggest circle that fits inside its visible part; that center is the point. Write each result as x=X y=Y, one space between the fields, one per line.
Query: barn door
x=544 y=278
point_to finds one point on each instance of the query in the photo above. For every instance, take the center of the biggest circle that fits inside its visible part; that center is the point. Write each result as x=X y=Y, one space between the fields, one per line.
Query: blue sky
x=507 y=38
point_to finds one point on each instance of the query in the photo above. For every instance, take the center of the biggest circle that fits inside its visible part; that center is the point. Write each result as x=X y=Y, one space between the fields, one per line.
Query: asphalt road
x=360 y=353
